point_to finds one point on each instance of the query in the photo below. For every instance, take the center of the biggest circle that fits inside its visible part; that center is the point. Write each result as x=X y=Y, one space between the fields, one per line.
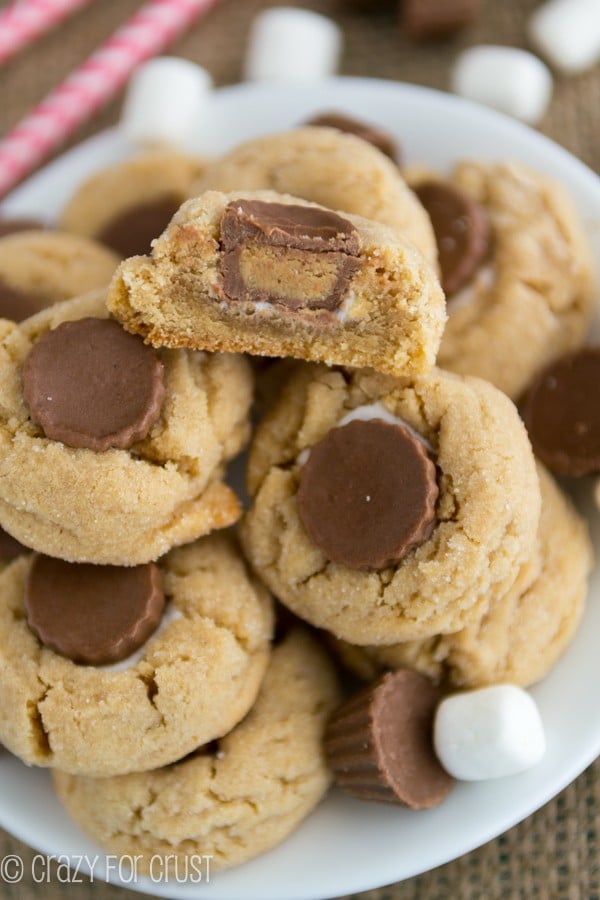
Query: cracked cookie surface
x=532 y=300
x=331 y=168
x=267 y=775
x=122 y=507
x=389 y=314
x=151 y=185
x=488 y=506
x=524 y=632
x=50 y=266
x=190 y=683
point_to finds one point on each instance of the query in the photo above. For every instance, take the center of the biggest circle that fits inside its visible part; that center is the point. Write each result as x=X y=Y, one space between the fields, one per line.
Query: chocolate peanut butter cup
x=379 y=743
x=562 y=414
x=426 y=19
x=16 y=304
x=131 y=233
x=12 y=226
x=378 y=137
x=90 y=384
x=367 y=494
x=462 y=231
x=93 y=615
x=291 y=255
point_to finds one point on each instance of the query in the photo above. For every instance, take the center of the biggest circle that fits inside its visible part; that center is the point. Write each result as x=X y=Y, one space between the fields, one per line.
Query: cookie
x=273 y=275
x=524 y=632
x=324 y=165
x=486 y=513
x=128 y=204
x=39 y=268
x=531 y=299
x=192 y=681
x=122 y=491
x=233 y=803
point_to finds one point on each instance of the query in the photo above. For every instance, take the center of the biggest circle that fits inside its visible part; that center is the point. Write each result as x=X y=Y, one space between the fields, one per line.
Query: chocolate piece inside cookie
x=132 y=232
x=379 y=743
x=562 y=414
x=295 y=256
x=90 y=384
x=93 y=614
x=367 y=494
x=462 y=231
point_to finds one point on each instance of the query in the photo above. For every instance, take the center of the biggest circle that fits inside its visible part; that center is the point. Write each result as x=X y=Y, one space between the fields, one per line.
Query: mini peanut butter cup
x=10 y=547
x=562 y=414
x=379 y=743
x=15 y=304
x=462 y=231
x=90 y=384
x=131 y=233
x=12 y=226
x=299 y=257
x=93 y=615
x=367 y=494
x=383 y=140
x=425 y=19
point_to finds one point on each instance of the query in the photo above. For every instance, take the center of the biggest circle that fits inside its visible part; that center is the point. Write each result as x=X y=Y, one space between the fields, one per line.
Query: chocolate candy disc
x=424 y=19
x=380 y=746
x=297 y=256
x=12 y=226
x=367 y=494
x=91 y=384
x=462 y=231
x=10 y=547
x=15 y=304
x=132 y=233
x=562 y=414
x=370 y=133
x=93 y=614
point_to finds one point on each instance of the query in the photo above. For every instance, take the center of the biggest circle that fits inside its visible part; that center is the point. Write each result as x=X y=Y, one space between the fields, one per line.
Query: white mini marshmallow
x=165 y=102
x=488 y=733
x=510 y=80
x=288 y=44
x=567 y=33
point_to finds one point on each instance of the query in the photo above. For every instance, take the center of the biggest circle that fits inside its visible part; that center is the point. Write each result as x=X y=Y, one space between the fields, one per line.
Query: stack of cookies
x=396 y=504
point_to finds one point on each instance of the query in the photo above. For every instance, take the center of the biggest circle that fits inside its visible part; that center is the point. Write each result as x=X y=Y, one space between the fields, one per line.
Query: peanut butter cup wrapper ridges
x=379 y=744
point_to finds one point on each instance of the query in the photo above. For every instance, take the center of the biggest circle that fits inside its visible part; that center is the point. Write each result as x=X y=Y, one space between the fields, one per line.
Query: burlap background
x=554 y=854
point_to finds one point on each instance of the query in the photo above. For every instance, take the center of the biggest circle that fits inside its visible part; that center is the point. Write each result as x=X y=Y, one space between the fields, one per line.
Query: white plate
x=347 y=846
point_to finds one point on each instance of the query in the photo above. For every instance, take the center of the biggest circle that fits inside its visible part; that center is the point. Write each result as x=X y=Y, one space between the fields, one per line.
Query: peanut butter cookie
x=524 y=632
x=105 y=461
x=337 y=170
x=234 y=802
x=530 y=299
x=272 y=275
x=390 y=509
x=39 y=268
x=128 y=204
x=188 y=683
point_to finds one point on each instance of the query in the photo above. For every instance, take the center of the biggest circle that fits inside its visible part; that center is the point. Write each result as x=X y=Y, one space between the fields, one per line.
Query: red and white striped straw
x=23 y=21
x=95 y=82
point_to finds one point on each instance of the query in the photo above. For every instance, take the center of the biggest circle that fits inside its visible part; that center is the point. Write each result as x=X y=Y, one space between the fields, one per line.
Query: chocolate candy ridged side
x=351 y=753
x=379 y=743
